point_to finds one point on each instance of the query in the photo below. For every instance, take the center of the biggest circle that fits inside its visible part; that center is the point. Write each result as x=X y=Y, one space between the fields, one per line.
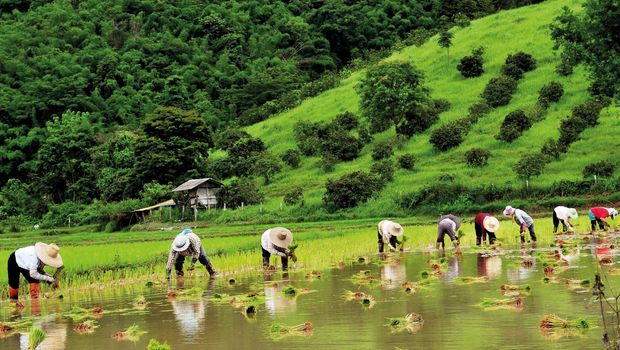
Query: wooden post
x=241 y=205
x=595 y=179
x=224 y=206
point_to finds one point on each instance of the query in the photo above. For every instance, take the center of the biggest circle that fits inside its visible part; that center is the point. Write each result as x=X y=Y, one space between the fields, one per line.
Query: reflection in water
x=190 y=314
x=55 y=339
x=275 y=300
x=522 y=271
x=393 y=274
x=454 y=268
x=489 y=266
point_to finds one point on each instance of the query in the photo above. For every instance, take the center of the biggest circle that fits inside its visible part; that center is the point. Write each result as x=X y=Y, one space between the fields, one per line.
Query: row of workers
x=30 y=261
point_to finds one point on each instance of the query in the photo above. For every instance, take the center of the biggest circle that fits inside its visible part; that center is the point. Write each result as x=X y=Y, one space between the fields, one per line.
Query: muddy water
x=452 y=320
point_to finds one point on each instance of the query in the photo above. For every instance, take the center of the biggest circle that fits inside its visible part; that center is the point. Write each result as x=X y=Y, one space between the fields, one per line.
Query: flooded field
x=447 y=292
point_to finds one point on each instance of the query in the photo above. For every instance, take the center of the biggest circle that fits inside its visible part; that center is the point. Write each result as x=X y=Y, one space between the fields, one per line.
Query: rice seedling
x=473 y=280
x=133 y=333
x=35 y=337
x=368 y=301
x=10 y=328
x=577 y=285
x=79 y=314
x=605 y=260
x=613 y=271
x=511 y=290
x=527 y=262
x=350 y=295
x=194 y=293
x=155 y=345
x=364 y=277
x=86 y=327
x=553 y=321
x=291 y=291
x=311 y=276
x=279 y=331
x=410 y=288
x=412 y=323
x=551 y=279
x=140 y=302
x=515 y=303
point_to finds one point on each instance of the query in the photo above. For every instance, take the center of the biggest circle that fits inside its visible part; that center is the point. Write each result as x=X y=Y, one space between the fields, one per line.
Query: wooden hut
x=198 y=193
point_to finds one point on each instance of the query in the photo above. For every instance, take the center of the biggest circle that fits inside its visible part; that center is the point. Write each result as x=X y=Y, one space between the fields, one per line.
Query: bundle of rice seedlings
x=35 y=337
x=525 y=287
x=232 y=281
x=553 y=321
x=364 y=277
x=341 y=265
x=437 y=265
x=368 y=301
x=279 y=331
x=78 y=314
x=10 y=328
x=548 y=270
x=194 y=293
x=430 y=274
x=311 y=276
x=551 y=279
x=511 y=290
x=472 y=280
x=515 y=303
x=577 y=285
x=86 y=327
x=613 y=271
x=349 y=295
x=155 y=345
x=139 y=302
x=412 y=322
x=362 y=260
x=292 y=291
x=133 y=333
x=410 y=288
x=527 y=262
x=606 y=260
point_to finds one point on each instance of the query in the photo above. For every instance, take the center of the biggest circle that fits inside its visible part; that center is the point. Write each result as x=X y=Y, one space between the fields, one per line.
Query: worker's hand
x=293 y=257
x=55 y=284
x=191 y=267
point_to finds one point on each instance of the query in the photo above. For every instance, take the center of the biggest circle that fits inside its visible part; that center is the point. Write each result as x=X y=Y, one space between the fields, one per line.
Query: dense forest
x=107 y=100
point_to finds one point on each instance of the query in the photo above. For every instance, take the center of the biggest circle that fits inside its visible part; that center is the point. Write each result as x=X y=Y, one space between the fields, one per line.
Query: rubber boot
x=284 y=263
x=381 y=247
x=478 y=240
x=35 y=288
x=210 y=268
x=13 y=294
x=265 y=262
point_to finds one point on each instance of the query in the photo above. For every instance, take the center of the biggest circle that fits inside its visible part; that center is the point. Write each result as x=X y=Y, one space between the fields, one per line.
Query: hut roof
x=193 y=183
x=167 y=203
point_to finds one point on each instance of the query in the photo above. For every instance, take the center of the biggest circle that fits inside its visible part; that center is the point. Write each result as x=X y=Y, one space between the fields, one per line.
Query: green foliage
x=346 y=121
x=499 y=90
x=407 y=161
x=327 y=162
x=16 y=200
x=227 y=137
x=477 y=157
x=513 y=71
x=292 y=158
x=155 y=345
x=350 y=189
x=266 y=166
x=472 y=66
x=583 y=115
x=153 y=193
x=389 y=91
x=478 y=109
x=551 y=92
x=242 y=190
x=602 y=168
x=445 y=40
x=327 y=139
x=515 y=123
x=461 y=20
x=113 y=161
x=295 y=196
x=382 y=150
x=552 y=149
x=384 y=169
x=530 y=165
x=523 y=60
x=449 y=135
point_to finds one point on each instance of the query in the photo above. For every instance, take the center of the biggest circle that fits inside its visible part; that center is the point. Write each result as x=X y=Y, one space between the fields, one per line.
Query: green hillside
x=524 y=29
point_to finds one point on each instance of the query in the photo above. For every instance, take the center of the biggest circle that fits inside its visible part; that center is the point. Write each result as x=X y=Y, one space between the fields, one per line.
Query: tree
x=266 y=166
x=445 y=41
x=350 y=190
x=391 y=90
x=530 y=165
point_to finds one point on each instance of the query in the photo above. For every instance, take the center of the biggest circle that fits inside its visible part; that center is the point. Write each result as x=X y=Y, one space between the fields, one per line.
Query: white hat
x=612 y=212
x=48 y=254
x=180 y=243
x=280 y=237
x=395 y=229
x=490 y=224
x=509 y=210
x=572 y=213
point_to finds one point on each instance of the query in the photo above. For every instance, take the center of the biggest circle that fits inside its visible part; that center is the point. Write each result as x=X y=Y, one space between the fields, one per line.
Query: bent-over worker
x=563 y=214
x=276 y=241
x=388 y=233
x=485 y=223
x=523 y=220
x=599 y=214
x=448 y=225
x=187 y=243
x=29 y=262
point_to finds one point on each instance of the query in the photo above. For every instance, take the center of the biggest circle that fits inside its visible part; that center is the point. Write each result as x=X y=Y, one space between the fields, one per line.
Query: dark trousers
x=267 y=255
x=601 y=224
x=481 y=235
x=178 y=264
x=14 y=271
x=393 y=241
x=532 y=233
x=556 y=223
x=445 y=229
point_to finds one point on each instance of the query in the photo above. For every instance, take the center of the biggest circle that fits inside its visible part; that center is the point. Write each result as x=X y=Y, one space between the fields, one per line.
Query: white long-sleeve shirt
x=565 y=213
x=522 y=218
x=265 y=242
x=27 y=259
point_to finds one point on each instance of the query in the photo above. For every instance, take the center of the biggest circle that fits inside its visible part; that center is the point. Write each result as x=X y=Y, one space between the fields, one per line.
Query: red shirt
x=600 y=212
x=480 y=218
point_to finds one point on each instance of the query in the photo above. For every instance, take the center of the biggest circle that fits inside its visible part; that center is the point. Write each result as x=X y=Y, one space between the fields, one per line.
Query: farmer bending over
x=187 y=243
x=387 y=232
x=485 y=223
x=599 y=214
x=564 y=215
x=523 y=220
x=30 y=261
x=276 y=241
x=448 y=224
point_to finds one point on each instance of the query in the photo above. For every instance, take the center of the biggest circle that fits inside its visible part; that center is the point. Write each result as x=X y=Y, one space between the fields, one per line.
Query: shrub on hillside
x=350 y=190
x=477 y=157
x=222 y=168
x=513 y=71
x=407 y=161
x=382 y=150
x=308 y=137
x=523 y=60
x=242 y=190
x=588 y=111
x=364 y=135
x=530 y=165
x=471 y=66
x=227 y=137
x=441 y=105
x=294 y=196
x=461 y=20
x=478 y=109
x=449 y=135
x=327 y=163
x=341 y=145
x=345 y=121
x=551 y=92
x=499 y=90
x=570 y=128
x=552 y=149
x=515 y=123
x=420 y=118
x=603 y=168
x=292 y=158
x=564 y=68
x=384 y=169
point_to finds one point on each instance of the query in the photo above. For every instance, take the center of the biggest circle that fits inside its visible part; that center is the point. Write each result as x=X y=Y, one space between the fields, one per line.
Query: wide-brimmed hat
x=613 y=213
x=280 y=237
x=490 y=224
x=180 y=243
x=395 y=229
x=509 y=210
x=48 y=254
x=572 y=213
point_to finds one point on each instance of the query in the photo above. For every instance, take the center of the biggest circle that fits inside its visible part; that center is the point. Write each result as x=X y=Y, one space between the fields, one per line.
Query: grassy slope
x=523 y=29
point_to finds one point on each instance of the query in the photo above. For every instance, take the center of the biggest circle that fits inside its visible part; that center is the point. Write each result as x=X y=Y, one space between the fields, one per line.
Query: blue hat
x=186 y=231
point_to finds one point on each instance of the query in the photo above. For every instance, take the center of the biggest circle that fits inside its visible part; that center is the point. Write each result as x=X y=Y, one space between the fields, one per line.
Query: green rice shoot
x=156 y=345
x=35 y=337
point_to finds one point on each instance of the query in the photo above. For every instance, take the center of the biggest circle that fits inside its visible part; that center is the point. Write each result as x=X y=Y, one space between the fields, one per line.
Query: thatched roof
x=193 y=183
x=167 y=203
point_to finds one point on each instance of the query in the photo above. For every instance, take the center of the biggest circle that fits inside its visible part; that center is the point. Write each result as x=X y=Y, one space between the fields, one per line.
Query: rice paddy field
x=340 y=292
